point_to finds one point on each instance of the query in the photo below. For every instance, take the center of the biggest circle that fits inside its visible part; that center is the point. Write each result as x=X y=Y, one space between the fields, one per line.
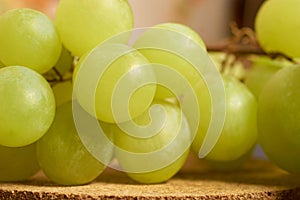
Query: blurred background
x=210 y=18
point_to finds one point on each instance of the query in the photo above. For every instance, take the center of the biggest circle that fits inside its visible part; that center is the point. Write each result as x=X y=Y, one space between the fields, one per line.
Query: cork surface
x=256 y=180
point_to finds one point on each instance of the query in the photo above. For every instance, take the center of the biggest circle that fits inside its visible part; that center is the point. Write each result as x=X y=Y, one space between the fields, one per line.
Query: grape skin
x=27 y=106
x=61 y=154
x=278 y=119
x=83 y=24
x=18 y=163
x=169 y=139
x=28 y=38
x=130 y=64
x=277 y=27
x=239 y=133
x=261 y=71
x=164 y=57
x=161 y=175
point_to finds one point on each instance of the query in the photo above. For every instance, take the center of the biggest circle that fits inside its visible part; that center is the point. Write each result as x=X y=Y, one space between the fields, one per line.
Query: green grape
x=156 y=150
x=260 y=72
x=27 y=106
x=165 y=57
x=65 y=62
x=28 y=38
x=277 y=27
x=18 y=163
x=278 y=119
x=62 y=92
x=127 y=72
x=63 y=157
x=83 y=24
x=239 y=132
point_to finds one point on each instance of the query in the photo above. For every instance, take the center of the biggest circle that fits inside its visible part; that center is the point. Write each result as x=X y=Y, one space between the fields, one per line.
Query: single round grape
x=128 y=71
x=260 y=72
x=18 y=163
x=165 y=57
x=27 y=106
x=278 y=119
x=83 y=24
x=156 y=143
x=28 y=38
x=63 y=157
x=277 y=27
x=239 y=132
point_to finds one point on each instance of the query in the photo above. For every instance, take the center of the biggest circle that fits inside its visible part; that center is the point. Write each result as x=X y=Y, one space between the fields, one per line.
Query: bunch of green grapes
x=150 y=128
x=274 y=82
x=150 y=137
x=29 y=46
x=277 y=85
x=145 y=98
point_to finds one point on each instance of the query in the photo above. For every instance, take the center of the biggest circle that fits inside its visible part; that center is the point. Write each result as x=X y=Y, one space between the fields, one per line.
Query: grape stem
x=60 y=77
x=54 y=77
x=244 y=42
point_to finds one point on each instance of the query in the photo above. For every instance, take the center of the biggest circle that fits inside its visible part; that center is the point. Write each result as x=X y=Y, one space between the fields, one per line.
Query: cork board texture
x=258 y=179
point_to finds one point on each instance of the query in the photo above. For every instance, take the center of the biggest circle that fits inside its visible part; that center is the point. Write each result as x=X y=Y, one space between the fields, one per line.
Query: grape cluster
x=143 y=97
